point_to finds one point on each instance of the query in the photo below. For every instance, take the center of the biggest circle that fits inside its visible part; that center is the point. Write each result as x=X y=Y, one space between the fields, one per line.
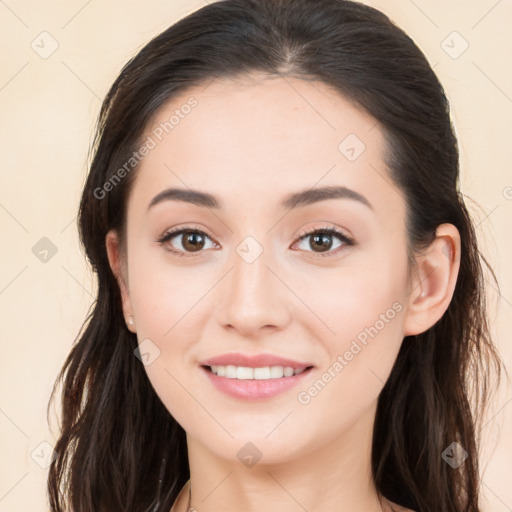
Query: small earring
x=130 y=320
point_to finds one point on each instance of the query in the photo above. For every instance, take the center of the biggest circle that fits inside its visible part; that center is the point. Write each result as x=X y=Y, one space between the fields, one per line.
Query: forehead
x=261 y=135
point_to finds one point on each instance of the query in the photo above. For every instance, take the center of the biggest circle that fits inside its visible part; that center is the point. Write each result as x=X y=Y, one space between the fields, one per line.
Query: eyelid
x=179 y=229
x=327 y=228
x=169 y=234
x=346 y=239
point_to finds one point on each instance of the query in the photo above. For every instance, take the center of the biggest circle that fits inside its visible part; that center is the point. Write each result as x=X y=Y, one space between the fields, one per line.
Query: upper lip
x=253 y=361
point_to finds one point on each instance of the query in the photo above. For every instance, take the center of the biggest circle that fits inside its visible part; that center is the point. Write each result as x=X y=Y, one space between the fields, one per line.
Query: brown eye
x=321 y=241
x=192 y=241
x=185 y=240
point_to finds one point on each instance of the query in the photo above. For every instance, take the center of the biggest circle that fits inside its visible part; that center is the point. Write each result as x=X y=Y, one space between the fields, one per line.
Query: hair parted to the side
x=115 y=430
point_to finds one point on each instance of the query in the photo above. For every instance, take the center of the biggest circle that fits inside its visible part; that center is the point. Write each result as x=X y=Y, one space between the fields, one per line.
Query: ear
x=434 y=282
x=119 y=270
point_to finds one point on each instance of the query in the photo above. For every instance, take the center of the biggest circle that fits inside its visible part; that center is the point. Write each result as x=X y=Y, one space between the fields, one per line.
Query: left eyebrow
x=314 y=195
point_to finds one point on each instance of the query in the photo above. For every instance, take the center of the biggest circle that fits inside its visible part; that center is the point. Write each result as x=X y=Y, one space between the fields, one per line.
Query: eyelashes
x=321 y=234
x=175 y=233
x=194 y=236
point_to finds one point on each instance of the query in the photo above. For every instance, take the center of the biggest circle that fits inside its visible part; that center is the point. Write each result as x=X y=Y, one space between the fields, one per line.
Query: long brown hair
x=119 y=447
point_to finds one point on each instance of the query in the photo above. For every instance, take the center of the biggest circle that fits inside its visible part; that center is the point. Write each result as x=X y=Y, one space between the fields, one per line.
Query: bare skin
x=251 y=143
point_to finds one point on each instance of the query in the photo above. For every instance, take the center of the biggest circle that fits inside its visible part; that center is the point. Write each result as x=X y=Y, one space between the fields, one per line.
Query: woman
x=290 y=310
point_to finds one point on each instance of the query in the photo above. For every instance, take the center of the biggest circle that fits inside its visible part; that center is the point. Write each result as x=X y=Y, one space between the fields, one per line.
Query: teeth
x=246 y=373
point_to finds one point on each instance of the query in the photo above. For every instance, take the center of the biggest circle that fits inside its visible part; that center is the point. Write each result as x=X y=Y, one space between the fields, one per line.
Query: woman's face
x=254 y=281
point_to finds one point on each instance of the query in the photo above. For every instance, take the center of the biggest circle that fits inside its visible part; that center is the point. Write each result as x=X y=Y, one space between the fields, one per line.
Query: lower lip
x=251 y=389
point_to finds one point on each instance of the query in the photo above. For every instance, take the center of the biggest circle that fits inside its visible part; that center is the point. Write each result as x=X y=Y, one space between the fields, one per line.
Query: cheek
x=367 y=318
x=163 y=293
x=166 y=299
x=364 y=308
x=343 y=302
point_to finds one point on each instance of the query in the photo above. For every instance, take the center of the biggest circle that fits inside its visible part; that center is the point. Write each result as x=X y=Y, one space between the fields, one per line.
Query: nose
x=253 y=298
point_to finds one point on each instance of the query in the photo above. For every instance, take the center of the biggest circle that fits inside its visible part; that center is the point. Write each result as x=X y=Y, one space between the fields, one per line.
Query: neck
x=332 y=475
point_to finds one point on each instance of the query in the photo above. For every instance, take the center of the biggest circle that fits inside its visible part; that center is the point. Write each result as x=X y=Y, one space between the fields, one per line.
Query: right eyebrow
x=188 y=195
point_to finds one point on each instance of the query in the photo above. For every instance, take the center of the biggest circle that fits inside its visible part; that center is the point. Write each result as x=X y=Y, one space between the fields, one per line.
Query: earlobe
x=434 y=282
x=116 y=264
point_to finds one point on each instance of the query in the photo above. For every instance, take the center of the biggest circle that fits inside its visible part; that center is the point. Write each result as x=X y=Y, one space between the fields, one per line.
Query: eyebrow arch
x=294 y=200
x=187 y=195
x=314 y=195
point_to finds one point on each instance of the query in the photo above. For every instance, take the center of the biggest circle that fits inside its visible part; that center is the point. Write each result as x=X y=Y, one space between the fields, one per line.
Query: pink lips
x=256 y=361
x=253 y=389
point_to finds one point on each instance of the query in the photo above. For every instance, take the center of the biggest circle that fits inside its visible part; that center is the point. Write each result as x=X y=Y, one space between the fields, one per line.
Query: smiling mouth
x=260 y=373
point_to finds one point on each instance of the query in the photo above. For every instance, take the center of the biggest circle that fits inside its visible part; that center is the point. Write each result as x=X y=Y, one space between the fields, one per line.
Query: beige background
x=48 y=106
